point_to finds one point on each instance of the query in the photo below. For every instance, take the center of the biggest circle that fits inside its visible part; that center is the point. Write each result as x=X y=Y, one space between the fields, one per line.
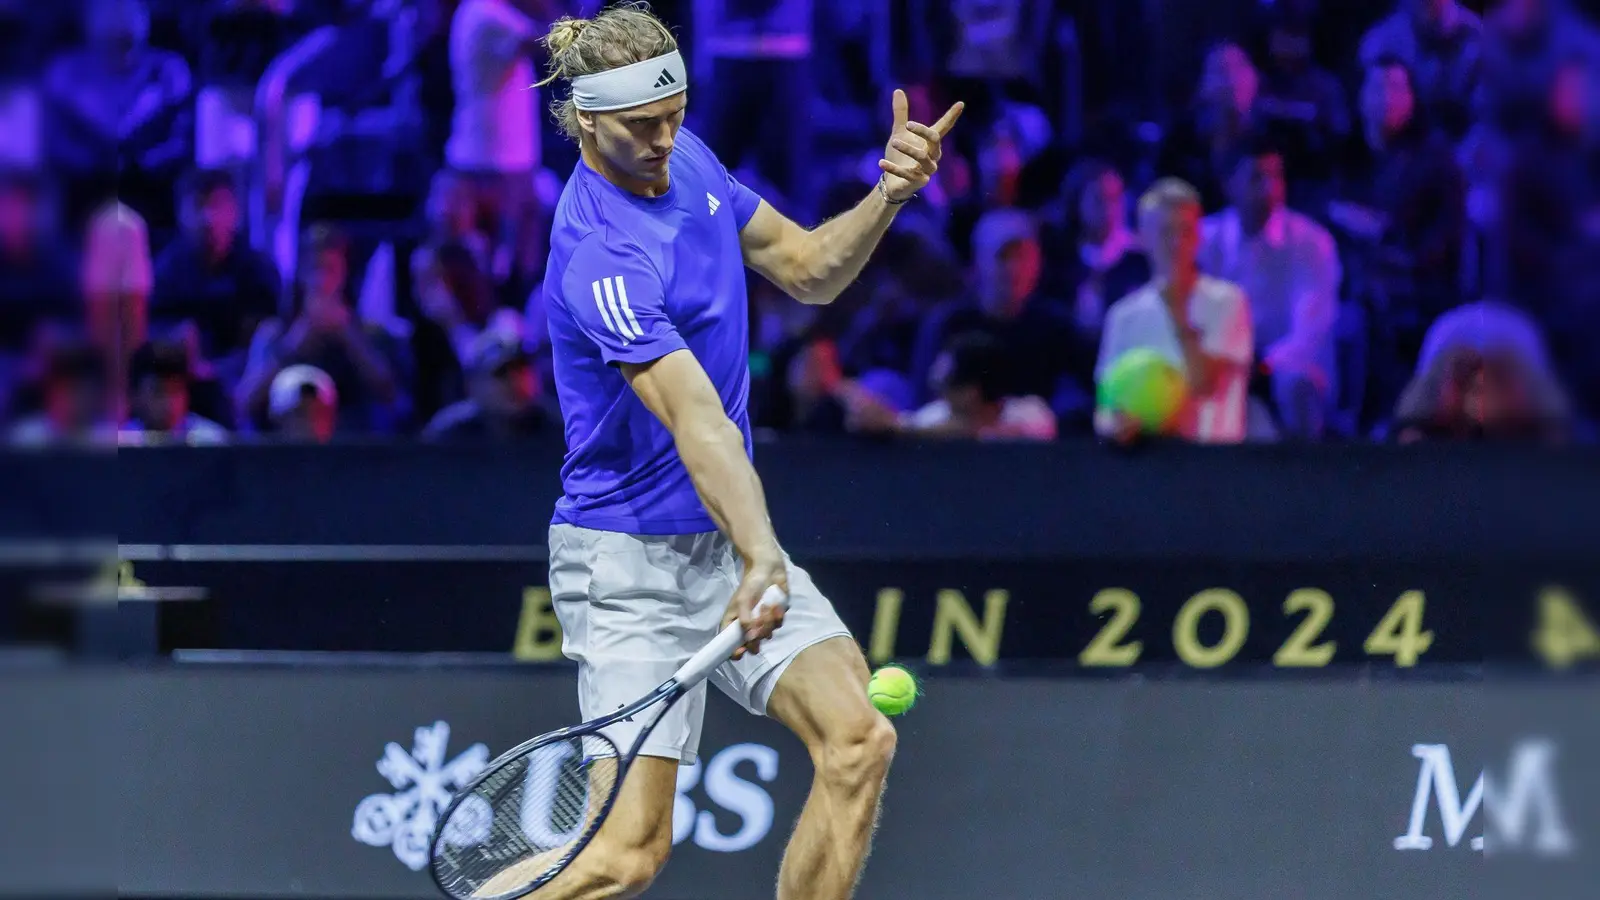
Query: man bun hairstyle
x=617 y=36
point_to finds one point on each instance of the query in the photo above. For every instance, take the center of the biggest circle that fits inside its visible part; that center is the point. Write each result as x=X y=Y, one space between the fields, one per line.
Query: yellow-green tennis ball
x=892 y=690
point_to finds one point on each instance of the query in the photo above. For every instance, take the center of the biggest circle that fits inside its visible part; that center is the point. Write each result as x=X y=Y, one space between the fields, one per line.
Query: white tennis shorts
x=633 y=608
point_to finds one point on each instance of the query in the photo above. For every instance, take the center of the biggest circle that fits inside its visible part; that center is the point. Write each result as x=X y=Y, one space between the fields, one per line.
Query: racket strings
x=522 y=821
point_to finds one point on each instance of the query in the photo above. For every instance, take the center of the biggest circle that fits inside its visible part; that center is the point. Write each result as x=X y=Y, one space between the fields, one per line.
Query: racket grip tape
x=721 y=648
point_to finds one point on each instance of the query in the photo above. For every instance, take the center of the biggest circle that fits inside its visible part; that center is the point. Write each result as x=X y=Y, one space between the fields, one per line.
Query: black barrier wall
x=851 y=500
x=320 y=782
x=1198 y=558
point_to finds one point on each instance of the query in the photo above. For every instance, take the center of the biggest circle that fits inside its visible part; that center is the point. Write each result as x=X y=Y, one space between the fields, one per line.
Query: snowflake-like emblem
x=424 y=783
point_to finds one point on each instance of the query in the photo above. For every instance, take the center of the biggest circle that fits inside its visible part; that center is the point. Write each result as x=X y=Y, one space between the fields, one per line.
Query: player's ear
x=586 y=122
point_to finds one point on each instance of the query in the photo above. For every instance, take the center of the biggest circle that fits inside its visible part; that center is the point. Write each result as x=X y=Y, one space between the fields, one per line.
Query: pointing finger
x=920 y=154
x=900 y=109
x=948 y=120
x=922 y=131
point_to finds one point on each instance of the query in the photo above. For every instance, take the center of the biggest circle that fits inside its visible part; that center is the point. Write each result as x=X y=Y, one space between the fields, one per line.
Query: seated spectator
x=211 y=276
x=1527 y=44
x=1199 y=323
x=503 y=397
x=1223 y=113
x=367 y=366
x=1289 y=268
x=453 y=293
x=38 y=278
x=159 y=378
x=1007 y=305
x=1545 y=244
x=77 y=400
x=302 y=405
x=1302 y=102
x=814 y=380
x=1475 y=389
x=1405 y=214
x=973 y=401
x=1096 y=257
x=1442 y=43
x=118 y=111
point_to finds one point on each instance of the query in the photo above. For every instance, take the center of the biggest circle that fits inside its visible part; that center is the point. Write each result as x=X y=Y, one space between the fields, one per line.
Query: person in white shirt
x=1199 y=323
x=1289 y=268
x=494 y=134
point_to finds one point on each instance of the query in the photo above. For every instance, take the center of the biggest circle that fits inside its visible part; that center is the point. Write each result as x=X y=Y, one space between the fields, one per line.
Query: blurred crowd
x=227 y=220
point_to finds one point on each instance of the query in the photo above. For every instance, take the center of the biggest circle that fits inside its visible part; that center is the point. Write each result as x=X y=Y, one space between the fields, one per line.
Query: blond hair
x=618 y=36
x=1168 y=194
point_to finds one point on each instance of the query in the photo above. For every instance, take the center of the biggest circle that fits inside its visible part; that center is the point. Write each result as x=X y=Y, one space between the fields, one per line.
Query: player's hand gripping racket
x=529 y=814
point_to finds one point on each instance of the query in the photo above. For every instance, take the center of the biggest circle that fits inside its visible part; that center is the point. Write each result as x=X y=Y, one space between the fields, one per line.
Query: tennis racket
x=528 y=815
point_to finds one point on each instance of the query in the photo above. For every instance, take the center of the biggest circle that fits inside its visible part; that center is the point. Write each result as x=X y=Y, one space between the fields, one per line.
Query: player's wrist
x=889 y=198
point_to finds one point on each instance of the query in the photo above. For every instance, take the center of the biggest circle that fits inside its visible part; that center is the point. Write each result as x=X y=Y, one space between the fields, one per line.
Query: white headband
x=632 y=85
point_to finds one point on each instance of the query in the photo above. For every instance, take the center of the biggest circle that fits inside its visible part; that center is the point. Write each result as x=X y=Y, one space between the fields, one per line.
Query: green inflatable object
x=1143 y=385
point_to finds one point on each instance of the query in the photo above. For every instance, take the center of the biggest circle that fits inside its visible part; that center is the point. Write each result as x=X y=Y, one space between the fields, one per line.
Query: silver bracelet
x=885 y=192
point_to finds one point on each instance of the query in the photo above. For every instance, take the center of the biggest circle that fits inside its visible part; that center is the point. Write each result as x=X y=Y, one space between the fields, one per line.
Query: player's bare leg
x=822 y=698
x=631 y=846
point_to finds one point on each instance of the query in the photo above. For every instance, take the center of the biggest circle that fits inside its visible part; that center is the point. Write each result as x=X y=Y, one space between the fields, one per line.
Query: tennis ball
x=1145 y=386
x=893 y=690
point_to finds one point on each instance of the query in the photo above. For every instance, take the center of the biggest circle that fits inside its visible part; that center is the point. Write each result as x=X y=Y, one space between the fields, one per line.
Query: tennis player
x=662 y=536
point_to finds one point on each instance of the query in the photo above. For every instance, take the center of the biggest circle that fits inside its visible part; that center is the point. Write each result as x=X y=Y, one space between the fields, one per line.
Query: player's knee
x=856 y=755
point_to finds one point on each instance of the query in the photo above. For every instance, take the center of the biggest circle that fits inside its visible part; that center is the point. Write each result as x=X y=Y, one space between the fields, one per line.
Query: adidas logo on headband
x=665 y=79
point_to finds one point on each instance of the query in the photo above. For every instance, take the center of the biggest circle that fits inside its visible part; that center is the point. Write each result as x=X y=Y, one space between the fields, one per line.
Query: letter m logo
x=1528 y=804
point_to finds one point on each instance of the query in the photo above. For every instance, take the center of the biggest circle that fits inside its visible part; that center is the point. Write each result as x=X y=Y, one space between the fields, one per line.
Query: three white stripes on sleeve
x=611 y=297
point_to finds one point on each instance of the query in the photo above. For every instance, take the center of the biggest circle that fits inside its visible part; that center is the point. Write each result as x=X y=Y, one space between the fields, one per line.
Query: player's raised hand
x=912 y=155
x=758 y=624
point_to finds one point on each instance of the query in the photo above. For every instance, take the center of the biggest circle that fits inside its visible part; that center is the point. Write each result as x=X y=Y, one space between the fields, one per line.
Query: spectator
x=1405 y=211
x=494 y=135
x=77 y=403
x=1441 y=44
x=159 y=378
x=38 y=283
x=815 y=381
x=1527 y=45
x=503 y=403
x=116 y=288
x=211 y=277
x=1289 y=268
x=303 y=405
x=119 y=110
x=454 y=293
x=1098 y=259
x=367 y=367
x=973 y=403
x=1006 y=305
x=1549 y=231
x=1303 y=103
x=759 y=54
x=1484 y=373
x=1199 y=323
x=1224 y=112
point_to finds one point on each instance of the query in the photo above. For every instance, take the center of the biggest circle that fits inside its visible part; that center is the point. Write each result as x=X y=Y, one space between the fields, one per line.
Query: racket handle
x=721 y=648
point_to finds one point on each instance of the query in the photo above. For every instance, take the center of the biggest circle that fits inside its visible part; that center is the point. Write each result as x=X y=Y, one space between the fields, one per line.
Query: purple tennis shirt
x=630 y=280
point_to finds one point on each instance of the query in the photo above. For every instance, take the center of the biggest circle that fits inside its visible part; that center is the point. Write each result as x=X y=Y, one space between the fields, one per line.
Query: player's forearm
x=714 y=453
x=836 y=251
